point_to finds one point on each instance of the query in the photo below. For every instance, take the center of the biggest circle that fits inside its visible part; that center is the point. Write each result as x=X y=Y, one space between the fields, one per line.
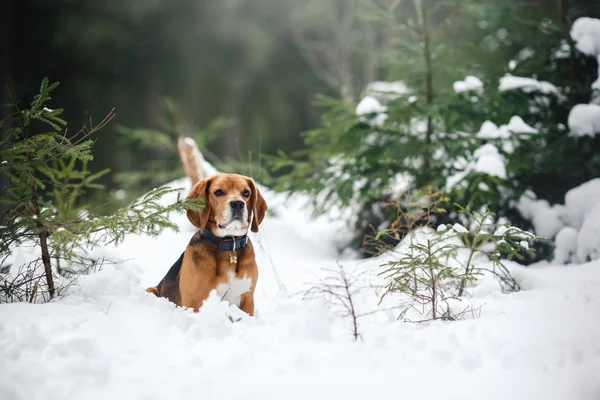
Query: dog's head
x=233 y=203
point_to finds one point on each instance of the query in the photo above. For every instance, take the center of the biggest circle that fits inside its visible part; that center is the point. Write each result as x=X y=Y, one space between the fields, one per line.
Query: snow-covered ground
x=109 y=339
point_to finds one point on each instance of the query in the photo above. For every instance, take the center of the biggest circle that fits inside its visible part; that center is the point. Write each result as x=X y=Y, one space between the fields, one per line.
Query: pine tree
x=426 y=128
x=47 y=171
x=401 y=134
x=543 y=82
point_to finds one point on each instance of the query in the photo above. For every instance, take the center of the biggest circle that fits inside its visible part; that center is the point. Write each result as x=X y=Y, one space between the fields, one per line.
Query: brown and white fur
x=233 y=205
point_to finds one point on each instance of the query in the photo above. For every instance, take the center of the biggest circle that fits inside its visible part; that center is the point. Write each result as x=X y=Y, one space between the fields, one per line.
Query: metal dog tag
x=232 y=258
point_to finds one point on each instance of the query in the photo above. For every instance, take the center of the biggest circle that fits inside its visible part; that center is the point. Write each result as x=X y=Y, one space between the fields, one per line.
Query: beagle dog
x=219 y=256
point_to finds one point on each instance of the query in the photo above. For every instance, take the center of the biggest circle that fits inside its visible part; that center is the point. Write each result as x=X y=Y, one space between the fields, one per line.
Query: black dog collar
x=225 y=243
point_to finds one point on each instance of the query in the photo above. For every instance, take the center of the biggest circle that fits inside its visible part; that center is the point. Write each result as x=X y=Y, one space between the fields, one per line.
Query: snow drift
x=108 y=338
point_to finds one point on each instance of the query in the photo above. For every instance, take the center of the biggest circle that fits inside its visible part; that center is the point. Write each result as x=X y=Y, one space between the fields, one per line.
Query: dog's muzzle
x=237 y=209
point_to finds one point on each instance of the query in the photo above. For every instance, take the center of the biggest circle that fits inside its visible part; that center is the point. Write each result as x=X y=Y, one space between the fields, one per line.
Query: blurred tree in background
x=240 y=77
x=236 y=59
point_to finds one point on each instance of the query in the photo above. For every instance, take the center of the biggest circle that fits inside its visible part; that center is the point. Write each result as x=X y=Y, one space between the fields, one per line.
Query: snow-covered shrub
x=485 y=137
x=423 y=274
x=588 y=239
x=549 y=145
x=575 y=226
x=435 y=268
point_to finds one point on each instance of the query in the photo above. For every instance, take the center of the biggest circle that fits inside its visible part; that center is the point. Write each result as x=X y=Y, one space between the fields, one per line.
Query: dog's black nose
x=237 y=204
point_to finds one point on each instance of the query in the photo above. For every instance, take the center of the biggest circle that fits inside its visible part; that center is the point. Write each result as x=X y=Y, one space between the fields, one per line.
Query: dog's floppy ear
x=200 y=191
x=258 y=206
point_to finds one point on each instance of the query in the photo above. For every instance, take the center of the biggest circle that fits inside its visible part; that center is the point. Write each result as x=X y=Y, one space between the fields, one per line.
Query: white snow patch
x=107 y=338
x=399 y=183
x=517 y=125
x=545 y=219
x=489 y=161
x=585 y=32
x=459 y=228
x=490 y=131
x=486 y=159
x=576 y=224
x=370 y=105
x=565 y=248
x=580 y=201
x=564 y=50
x=510 y=82
x=470 y=84
x=588 y=240
x=584 y=119
x=386 y=91
x=525 y=53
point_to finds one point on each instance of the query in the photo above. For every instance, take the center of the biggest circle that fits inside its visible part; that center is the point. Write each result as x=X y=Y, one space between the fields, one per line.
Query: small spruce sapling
x=433 y=268
x=47 y=174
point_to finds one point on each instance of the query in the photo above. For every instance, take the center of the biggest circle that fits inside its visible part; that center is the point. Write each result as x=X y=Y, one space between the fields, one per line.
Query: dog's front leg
x=247 y=304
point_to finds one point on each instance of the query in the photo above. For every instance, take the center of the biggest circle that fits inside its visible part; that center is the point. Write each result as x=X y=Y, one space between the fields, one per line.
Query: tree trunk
x=232 y=135
x=421 y=14
x=370 y=63
x=43 y=233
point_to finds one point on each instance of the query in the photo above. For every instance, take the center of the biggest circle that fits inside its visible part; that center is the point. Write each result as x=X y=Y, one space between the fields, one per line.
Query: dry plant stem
x=338 y=289
x=19 y=287
x=34 y=292
x=433 y=283
x=350 y=302
x=86 y=132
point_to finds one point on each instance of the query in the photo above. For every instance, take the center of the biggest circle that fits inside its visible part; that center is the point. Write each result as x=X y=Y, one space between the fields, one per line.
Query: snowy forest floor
x=109 y=339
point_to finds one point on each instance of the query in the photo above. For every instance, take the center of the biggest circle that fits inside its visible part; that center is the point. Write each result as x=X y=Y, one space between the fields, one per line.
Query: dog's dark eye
x=246 y=193
x=218 y=192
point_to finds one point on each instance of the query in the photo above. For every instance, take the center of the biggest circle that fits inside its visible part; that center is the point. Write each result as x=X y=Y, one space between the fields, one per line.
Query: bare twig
x=338 y=289
x=34 y=293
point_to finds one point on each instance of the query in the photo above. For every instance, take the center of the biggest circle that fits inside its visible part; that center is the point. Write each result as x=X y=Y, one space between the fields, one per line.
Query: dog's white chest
x=234 y=288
